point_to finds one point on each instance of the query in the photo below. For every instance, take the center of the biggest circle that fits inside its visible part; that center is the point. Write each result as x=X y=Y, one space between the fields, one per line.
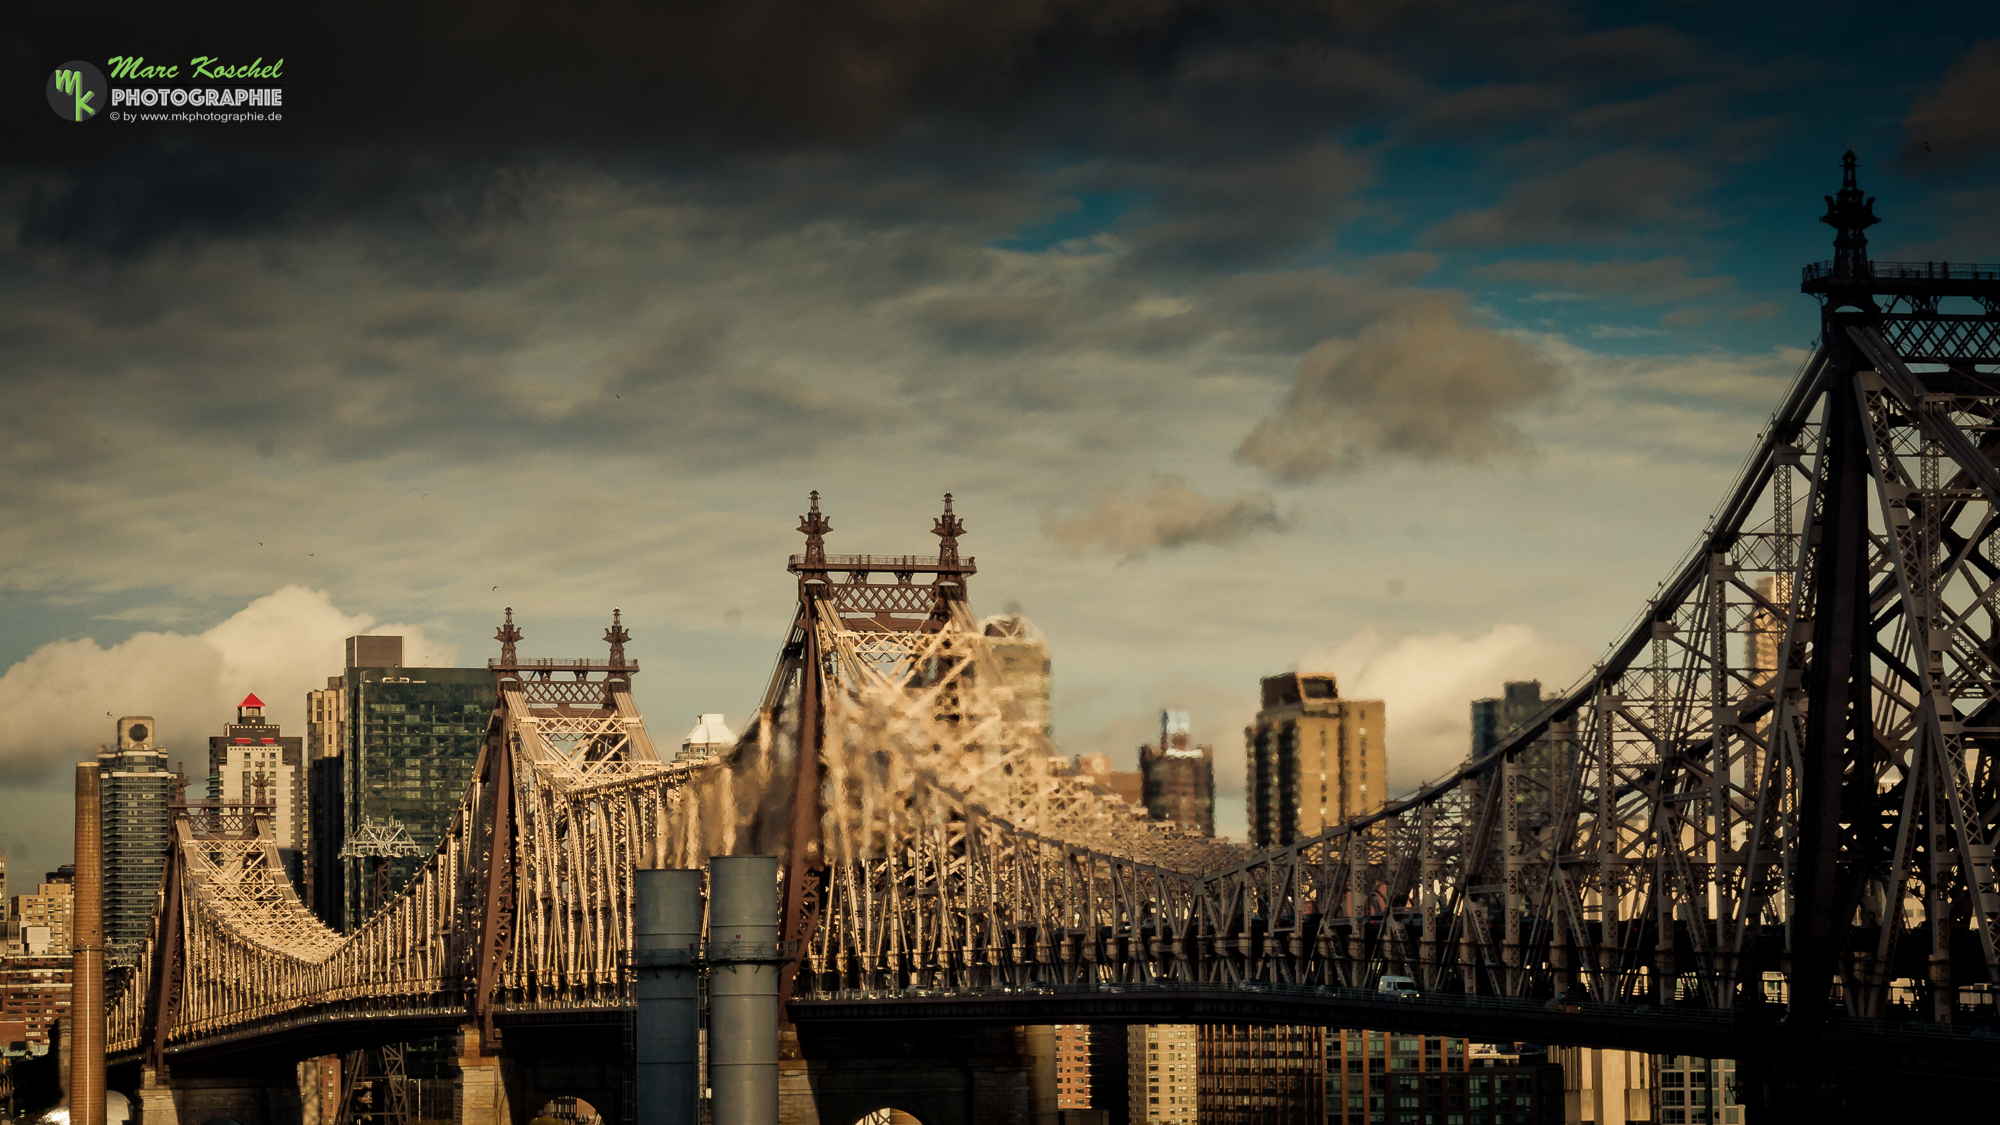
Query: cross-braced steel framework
x=1780 y=781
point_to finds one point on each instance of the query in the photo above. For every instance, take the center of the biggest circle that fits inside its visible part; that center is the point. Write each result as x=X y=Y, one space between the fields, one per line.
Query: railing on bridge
x=1909 y=271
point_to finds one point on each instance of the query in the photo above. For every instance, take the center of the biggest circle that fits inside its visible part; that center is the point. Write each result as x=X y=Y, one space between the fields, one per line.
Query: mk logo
x=71 y=82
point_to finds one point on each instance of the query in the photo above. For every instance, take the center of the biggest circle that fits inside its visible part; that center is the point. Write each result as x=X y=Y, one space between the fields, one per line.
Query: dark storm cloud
x=1600 y=200
x=1228 y=216
x=1484 y=109
x=1961 y=121
x=446 y=115
x=394 y=111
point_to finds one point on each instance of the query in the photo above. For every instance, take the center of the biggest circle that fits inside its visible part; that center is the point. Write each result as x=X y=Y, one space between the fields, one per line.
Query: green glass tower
x=410 y=743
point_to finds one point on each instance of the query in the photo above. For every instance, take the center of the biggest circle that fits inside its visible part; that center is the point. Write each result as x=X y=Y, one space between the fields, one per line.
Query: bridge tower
x=1891 y=659
x=891 y=609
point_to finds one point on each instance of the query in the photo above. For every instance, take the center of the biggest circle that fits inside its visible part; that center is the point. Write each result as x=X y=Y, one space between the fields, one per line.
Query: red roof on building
x=251 y=701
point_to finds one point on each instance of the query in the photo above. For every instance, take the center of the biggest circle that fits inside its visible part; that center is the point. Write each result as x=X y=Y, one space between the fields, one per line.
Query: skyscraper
x=1179 y=780
x=135 y=790
x=1023 y=655
x=326 y=733
x=1164 y=1073
x=1252 y=1075
x=1313 y=758
x=1494 y=719
x=252 y=760
x=411 y=739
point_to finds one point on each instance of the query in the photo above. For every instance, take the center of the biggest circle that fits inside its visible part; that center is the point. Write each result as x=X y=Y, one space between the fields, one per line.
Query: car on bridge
x=1401 y=988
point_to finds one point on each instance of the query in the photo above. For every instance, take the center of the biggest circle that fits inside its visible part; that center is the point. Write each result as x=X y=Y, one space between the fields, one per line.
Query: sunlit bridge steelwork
x=1763 y=825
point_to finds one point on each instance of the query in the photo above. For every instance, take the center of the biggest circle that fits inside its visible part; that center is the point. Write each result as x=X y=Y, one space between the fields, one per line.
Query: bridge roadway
x=1912 y=1049
x=1909 y=1048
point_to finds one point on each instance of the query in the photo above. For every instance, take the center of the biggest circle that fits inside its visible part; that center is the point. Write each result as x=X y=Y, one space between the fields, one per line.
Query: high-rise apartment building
x=135 y=790
x=325 y=720
x=45 y=919
x=1394 y=1078
x=1494 y=719
x=411 y=739
x=1178 y=780
x=326 y=733
x=1023 y=655
x=1313 y=758
x=253 y=760
x=34 y=991
x=1163 y=1073
x=1251 y=1075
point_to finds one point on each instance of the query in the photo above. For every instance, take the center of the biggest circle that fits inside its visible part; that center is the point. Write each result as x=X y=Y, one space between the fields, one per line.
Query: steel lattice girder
x=1653 y=835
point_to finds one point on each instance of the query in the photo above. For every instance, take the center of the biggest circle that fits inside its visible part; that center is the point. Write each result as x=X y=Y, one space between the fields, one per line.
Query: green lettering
x=276 y=67
x=123 y=67
x=198 y=64
x=170 y=72
x=71 y=82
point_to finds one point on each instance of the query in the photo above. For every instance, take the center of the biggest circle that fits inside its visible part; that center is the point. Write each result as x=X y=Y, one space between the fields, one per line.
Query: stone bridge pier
x=272 y=1097
x=970 y=1076
x=537 y=1066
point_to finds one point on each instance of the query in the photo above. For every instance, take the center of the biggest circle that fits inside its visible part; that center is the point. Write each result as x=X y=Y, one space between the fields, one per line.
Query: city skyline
x=1105 y=314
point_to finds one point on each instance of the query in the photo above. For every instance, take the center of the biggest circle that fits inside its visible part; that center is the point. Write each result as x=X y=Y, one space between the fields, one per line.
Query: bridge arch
x=889 y=1116
x=567 y=1109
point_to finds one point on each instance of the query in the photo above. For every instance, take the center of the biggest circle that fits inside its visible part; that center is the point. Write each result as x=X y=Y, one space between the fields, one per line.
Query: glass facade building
x=411 y=740
x=134 y=792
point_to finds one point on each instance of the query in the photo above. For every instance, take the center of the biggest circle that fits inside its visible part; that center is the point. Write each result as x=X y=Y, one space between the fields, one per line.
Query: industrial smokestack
x=86 y=1065
x=743 y=989
x=666 y=940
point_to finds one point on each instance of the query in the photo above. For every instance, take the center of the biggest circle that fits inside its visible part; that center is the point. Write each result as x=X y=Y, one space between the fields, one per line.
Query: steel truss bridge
x=1764 y=823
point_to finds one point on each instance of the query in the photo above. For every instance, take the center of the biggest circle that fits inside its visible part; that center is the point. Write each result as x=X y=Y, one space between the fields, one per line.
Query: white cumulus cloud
x=61 y=702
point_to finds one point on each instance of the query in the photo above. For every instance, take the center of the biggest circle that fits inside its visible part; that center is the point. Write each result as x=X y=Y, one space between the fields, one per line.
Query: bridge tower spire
x=616 y=636
x=1850 y=216
x=509 y=635
x=815 y=526
x=947 y=528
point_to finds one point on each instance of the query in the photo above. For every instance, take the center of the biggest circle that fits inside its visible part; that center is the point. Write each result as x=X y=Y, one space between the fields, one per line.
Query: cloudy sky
x=1409 y=339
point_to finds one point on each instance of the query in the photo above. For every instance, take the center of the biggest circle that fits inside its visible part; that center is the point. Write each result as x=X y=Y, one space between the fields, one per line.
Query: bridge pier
x=975 y=1076
x=479 y=1088
x=260 y=1099
x=537 y=1065
x=155 y=1100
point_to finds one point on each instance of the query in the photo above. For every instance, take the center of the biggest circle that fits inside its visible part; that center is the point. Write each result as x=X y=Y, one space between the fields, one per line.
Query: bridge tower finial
x=1850 y=216
x=508 y=635
x=815 y=526
x=617 y=635
x=948 y=528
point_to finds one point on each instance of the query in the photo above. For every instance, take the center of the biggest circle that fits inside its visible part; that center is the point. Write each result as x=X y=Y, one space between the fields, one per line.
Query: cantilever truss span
x=1780 y=781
